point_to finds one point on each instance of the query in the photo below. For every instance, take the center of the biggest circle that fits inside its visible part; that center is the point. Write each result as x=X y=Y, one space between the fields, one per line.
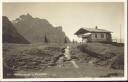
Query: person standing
x=67 y=53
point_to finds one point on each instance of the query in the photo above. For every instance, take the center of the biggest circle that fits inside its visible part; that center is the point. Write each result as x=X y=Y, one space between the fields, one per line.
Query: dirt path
x=68 y=56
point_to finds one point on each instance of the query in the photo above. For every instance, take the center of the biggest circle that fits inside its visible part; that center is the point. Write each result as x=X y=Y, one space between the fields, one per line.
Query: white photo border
x=66 y=79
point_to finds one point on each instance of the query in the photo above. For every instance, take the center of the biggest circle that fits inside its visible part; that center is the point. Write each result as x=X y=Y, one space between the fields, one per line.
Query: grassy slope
x=85 y=70
x=101 y=54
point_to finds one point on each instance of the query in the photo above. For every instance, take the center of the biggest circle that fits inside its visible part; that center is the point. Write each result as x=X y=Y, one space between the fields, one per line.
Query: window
x=102 y=35
x=95 y=35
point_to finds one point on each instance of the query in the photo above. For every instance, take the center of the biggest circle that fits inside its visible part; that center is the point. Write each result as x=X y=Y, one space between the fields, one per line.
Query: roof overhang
x=85 y=30
x=81 y=31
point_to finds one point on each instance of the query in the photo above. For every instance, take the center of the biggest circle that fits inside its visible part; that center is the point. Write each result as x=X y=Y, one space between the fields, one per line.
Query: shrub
x=118 y=63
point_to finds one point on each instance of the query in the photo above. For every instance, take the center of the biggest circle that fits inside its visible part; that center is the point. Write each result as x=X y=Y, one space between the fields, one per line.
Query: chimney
x=96 y=27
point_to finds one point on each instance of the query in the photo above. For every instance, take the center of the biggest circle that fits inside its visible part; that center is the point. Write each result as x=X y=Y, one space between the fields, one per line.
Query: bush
x=118 y=63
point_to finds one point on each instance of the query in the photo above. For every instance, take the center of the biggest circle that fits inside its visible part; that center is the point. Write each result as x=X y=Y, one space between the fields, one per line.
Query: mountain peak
x=27 y=16
x=34 y=29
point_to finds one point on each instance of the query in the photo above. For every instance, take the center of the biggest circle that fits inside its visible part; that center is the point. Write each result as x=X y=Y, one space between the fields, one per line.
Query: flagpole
x=120 y=33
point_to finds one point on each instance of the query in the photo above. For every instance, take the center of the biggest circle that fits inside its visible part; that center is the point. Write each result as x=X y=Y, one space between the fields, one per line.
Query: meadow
x=40 y=60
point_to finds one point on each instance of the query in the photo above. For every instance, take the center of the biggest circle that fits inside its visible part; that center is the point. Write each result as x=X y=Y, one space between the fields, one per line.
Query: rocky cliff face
x=10 y=34
x=35 y=29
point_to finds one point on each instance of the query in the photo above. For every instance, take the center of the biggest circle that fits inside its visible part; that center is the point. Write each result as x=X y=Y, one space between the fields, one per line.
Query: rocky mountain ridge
x=36 y=29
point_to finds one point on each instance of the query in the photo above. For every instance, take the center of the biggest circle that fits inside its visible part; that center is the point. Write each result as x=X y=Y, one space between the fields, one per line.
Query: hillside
x=10 y=34
x=35 y=29
x=101 y=54
x=42 y=60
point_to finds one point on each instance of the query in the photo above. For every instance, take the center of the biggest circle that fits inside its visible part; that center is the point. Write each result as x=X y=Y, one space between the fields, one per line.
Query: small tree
x=45 y=39
x=65 y=40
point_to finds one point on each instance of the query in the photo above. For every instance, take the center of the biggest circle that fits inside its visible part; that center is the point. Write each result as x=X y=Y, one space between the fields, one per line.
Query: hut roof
x=86 y=30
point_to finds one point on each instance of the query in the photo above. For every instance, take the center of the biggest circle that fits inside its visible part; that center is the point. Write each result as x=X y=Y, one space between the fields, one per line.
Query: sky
x=73 y=16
